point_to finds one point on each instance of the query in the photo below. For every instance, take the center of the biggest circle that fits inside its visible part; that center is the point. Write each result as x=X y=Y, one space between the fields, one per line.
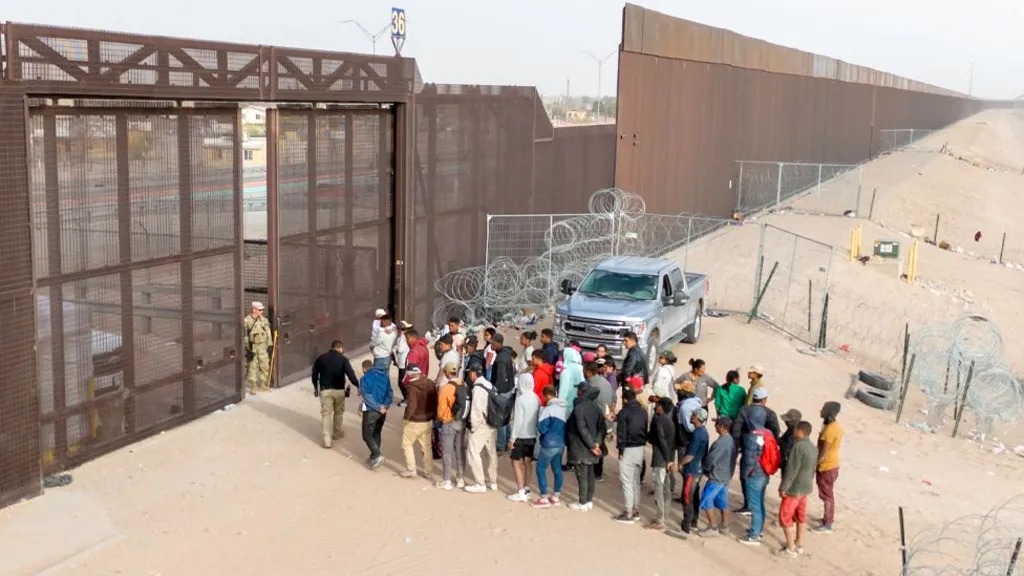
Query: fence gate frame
x=74 y=67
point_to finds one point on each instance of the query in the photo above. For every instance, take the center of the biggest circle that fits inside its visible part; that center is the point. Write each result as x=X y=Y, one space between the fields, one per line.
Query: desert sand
x=249 y=490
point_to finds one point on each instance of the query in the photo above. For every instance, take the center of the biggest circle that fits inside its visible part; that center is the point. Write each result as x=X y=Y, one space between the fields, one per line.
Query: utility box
x=887 y=249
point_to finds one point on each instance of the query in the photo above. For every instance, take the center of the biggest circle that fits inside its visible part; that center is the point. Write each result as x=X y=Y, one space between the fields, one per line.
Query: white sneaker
x=493 y=486
x=460 y=483
x=556 y=500
x=577 y=507
x=520 y=496
x=445 y=485
x=476 y=489
x=590 y=506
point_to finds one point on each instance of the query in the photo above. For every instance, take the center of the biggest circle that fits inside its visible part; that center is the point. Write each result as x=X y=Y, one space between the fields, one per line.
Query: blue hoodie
x=571 y=377
x=551 y=424
x=375 y=386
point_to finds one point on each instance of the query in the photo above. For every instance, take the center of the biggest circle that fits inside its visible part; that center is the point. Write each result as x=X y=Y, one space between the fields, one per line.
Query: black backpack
x=460 y=408
x=499 y=407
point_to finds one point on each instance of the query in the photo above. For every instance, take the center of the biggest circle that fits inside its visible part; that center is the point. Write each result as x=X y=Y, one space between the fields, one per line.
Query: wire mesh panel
x=793 y=276
x=336 y=227
x=893 y=140
x=831 y=189
x=134 y=209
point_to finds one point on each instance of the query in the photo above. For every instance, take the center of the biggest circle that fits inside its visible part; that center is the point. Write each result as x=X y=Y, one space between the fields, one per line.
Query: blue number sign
x=398 y=29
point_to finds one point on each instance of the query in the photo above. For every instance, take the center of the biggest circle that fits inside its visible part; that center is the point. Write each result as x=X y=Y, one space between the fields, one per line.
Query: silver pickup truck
x=650 y=296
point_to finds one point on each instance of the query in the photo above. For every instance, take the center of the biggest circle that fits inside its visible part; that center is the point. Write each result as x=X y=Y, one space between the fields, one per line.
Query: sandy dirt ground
x=250 y=491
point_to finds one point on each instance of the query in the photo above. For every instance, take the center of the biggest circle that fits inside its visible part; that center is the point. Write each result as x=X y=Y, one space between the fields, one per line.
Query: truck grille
x=589 y=328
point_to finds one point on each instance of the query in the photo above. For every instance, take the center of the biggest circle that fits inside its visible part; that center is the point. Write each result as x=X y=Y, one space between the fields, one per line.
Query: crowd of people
x=556 y=410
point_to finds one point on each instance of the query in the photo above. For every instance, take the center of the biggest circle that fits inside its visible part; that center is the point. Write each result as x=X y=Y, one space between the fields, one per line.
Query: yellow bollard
x=912 y=263
x=855 y=242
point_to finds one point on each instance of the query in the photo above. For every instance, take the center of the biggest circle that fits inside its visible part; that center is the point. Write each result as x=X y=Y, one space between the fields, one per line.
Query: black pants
x=691 y=503
x=743 y=479
x=643 y=471
x=586 y=479
x=599 y=468
x=373 y=425
x=401 y=382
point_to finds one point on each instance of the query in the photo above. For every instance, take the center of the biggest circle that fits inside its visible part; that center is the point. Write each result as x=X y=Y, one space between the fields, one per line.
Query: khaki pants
x=482 y=442
x=418 y=432
x=332 y=412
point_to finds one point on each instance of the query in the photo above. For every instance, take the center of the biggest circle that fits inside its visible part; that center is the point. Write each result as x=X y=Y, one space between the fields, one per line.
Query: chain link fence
x=830 y=189
x=528 y=256
x=893 y=140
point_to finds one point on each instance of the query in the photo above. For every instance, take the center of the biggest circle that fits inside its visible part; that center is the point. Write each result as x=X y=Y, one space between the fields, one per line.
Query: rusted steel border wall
x=693 y=99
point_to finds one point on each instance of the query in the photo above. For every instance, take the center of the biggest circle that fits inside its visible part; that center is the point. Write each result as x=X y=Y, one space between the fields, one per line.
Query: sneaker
x=339 y=435
x=654 y=525
x=599 y=479
x=577 y=507
x=742 y=512
x=724 y=531
x=493 y=486
x=709 y=532
x=520 y=496
x=823 y=529
x=590 y=506
x=327 y=445
x=476 y=489
x=750 y=541
x=787 y=552
x=800 y=550
x=556 y=499
x=625 y=518
x=402 y=404
x=376 y=462
x=460 y=483
x=527 y=491
x=446 y=486
x=636 y=515
x=407 y=474
x=541 y=502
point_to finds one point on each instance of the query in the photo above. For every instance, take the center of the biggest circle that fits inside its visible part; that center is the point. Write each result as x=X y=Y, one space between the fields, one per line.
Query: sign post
x=398 y=29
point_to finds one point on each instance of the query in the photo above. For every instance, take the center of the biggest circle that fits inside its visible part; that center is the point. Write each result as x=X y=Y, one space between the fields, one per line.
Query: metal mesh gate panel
x=135 y=229
x=335 y=223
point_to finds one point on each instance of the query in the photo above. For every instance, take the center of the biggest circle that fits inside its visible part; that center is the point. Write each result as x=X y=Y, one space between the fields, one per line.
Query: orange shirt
x=445 y=401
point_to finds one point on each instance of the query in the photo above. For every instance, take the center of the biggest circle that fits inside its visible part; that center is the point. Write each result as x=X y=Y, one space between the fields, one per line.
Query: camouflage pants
x=259 y=370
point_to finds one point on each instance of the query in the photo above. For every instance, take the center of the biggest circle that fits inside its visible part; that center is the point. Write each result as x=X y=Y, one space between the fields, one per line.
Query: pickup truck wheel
x=652 y=353
x=692 y=333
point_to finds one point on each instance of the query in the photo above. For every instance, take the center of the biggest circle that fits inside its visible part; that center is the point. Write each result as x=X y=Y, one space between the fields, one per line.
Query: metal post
x=487 y=251
x=810 y=291
x=1002 y=248
x=739 y=190
x=871 y=210
x=1013 y=558
x=778 y=187
x=903 y=543
x=818 y=189
x=860 y=174
x=759 y=272
x=551 y=252
x=935 y=238
x=789 y=281
x=689 y=228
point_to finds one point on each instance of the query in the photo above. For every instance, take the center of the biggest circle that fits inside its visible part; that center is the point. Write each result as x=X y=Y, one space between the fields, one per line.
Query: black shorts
x=522 y=448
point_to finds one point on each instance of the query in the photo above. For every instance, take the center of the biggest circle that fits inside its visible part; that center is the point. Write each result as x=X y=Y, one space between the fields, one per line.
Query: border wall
x=693 y=99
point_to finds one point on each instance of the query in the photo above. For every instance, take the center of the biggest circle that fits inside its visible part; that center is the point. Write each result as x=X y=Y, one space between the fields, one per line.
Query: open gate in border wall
x=331 y=228
x=135 y=216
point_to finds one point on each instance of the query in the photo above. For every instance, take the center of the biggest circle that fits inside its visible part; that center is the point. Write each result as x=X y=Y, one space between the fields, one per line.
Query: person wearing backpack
x=488 y=411
x=757 y=428
x=452 y=408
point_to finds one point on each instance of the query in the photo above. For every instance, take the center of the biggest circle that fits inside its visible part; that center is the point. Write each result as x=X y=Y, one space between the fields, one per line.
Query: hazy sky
x=539 y=42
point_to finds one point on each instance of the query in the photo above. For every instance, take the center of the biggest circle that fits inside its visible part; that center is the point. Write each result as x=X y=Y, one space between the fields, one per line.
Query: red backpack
x=771 y=457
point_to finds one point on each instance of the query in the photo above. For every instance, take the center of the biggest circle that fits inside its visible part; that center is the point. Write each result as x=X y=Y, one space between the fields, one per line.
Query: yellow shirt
x=828 y=447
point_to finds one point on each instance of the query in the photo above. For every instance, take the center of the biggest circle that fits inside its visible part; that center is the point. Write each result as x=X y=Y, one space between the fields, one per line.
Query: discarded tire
x=876 y=398
x=876 y=381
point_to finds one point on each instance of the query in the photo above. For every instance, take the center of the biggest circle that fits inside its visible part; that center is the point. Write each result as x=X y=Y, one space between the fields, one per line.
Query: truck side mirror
x=566 y=287
x=679 y=299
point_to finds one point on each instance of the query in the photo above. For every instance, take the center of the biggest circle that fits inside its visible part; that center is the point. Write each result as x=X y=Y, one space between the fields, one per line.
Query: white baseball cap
x=257 y=305
x=380 y=312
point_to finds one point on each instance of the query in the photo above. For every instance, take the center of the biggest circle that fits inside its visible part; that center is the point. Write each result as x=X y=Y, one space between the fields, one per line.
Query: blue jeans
x=503 y=437
x=549 y=458
x=382 y=363
x=754 y=492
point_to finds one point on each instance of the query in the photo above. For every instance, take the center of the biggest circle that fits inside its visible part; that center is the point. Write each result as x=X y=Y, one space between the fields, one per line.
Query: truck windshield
x=608 y=284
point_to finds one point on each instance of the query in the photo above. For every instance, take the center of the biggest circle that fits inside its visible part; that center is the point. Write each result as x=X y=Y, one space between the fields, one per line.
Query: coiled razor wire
x=943 y=358
x=617 y=224
x=975 y=545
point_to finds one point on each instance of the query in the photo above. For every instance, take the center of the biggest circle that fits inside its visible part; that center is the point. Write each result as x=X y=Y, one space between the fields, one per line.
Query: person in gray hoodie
x=382 y=344
x=523 y=437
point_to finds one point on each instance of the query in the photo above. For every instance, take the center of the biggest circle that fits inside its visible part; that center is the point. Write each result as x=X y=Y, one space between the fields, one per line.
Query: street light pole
x=600 y=64
x=373 y=37
x=970 y=83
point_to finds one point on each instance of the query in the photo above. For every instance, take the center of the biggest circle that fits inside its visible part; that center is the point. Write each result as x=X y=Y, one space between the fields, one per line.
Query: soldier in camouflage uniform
x=259 y=340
